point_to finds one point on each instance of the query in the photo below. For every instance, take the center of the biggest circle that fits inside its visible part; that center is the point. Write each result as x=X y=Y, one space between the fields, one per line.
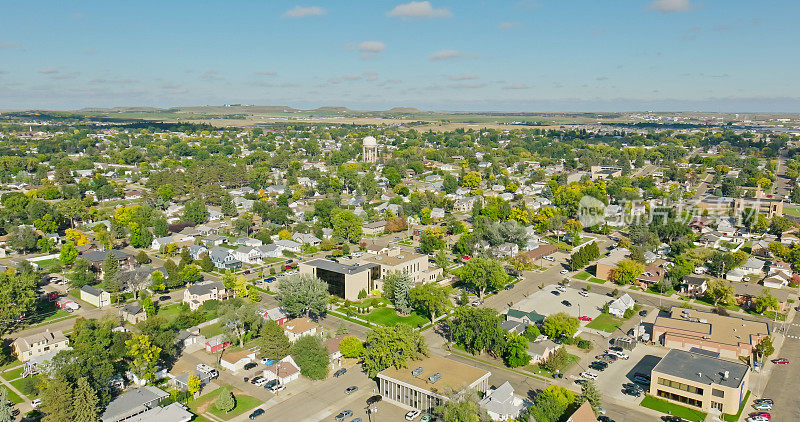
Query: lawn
x=666 y=407
x=47 y=311
x=597 y=280
x=169 y=312
x=211 y=330
x=205 y=404
x=389 y=318
x=605 y=322
x=583 y=275
x=13 y=374
x=13 y=397
x=795 y=211
x=48 y=264
x=539 y=370
x=18 y=385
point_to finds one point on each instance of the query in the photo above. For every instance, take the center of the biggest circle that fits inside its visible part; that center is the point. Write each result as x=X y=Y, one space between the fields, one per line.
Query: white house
x=236 y=361
x=299 y=327
x=501 y=404
x=247 y=254
x=306 y=239
x=285 y=371
x=288 y=245
x=618 y=306
x=95 y=296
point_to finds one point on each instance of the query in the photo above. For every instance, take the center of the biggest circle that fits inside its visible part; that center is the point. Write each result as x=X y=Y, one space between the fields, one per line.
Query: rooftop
x=339 y=268
x=713 y=327
x=701 y=368
x=455 y=376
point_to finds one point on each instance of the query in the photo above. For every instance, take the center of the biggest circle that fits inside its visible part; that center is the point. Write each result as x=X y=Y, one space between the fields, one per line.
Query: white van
x=589 y=375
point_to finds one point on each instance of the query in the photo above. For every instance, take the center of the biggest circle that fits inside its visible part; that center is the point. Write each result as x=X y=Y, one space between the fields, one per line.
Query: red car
x=584 y=318
x=763 y=414
x=465 y=257
x=780 y=361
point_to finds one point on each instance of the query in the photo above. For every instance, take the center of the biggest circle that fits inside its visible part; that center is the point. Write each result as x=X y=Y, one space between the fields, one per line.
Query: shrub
x=362 y=294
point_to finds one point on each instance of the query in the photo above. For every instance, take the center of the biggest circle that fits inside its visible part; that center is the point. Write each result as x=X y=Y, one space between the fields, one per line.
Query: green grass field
x=13 y=397
x=18 y=385
x=211 y=330
x=13 y=374
x=597 y=280
x=389 y=318
x=169 y=312
x=244 y=403
x=48 y=264
x=666 y=407
x=605 y=322
x=583 y=275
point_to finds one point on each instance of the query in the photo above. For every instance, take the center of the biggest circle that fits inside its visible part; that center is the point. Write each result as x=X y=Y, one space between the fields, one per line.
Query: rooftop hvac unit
x=417 y=371
x=435 y=377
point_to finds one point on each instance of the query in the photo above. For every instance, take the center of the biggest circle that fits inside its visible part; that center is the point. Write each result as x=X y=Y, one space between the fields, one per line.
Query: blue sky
x=529 y=55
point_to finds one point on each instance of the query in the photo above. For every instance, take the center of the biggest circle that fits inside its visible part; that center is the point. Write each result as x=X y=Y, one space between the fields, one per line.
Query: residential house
x=517 y=327
x=275 y=314
x=34 y=345
x=97 y=297
x=332 y=345
x=541 y=349
x=502 y=404
x=693 y=286
x=617 y=307
x=306 y=239
x=584 y=413
x=134 y=313
x=299 y=327
x=531 y=317
x=97 y=259
x=197 y=294
x=285 y=371
x=195 y=251
x=374 y=228
x=288 y=245
x=214 y=240
x=607 y=264
x=272 y=250
x=223 y=258
x=437 y=213
x=133 y=402
x=747 y=294
x=753 y=266
x=652 y=275
x=505 y=250
x=182 y=381
x=236 y=361
x=247 y=254
x=173 y=412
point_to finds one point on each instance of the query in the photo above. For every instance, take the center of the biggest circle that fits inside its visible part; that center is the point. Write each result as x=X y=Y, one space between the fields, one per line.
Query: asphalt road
x=783 y=379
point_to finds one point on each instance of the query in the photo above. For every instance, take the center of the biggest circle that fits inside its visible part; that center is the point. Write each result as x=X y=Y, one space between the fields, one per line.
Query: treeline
x=583 y=256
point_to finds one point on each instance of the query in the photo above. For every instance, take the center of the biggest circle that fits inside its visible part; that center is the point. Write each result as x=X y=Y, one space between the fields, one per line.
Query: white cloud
x=370 y=76
x=417 y=10
x=507 y=25
x=211 y=75
x=266 y=73
x=302 y=12
x=462 y=77
x=668 y=6
x=370 y=48
x=344 y=78
x=48 y=70
x=445 y=55
x=516 y=86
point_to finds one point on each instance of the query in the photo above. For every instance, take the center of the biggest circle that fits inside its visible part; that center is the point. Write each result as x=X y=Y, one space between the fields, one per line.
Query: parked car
x=597 y=367
x=374 y=399
x=564 y=272
x=260 y=382
x=561 y=288
x=256 y=379
x=256 y=413
x=566 y=303
x=762 y=414
x=340 y=372
x=426 y=418
x=556 y=292
x=549 y=258
x=412 y=414
x=643 y=312
x=351 y=389
x=764 y=400
x=249 y=366
x=584 y=318
x=642 y=380
x=757 y=419
x=615 y=348
x=589 y=375
x=343 y=414
x=270 y=384
x=508 y=287
x=780 y=361
x=583 y=293
x=277 y=387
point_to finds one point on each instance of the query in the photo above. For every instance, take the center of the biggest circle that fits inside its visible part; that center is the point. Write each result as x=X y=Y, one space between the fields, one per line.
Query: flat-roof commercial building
x=397 y=260
x=731 y=337
x=607 y=264
x=427 y=383
x=343 y=280
x=700 y=381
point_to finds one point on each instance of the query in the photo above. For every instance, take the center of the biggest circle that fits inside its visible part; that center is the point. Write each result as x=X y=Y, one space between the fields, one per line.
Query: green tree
x=19 y=295
x=429 y=242
x=392 y=346
x=238 y=318
x=312 y=357
x=273 y=341
x=627 y=272
x=57 y=400
x=483 y=274
x=86 y=405
x=477 y=330
x=144 y=355
x=225 y=400
x=6 y=407
x=719 y=291
x=160 y=228
x=22 y=239
x=142 y=258
x=347 y=226
x=764 y=349
x=228 y=207
x=779 y=224
x=110 y=267
x=195 y=212
x=462 y=408
x=205 y=262
x=559 y=325
x=471 y=180
x=430 y=298
x=551 y=404
x=68 y=253
x=516 y=351
x=303 y=293
x=398 y=286
x=351 y=347
x=766 y=302
x=590 y=392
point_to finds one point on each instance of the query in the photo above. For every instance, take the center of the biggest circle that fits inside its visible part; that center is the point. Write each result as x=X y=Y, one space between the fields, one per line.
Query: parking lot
x=550 y=301
x=643 y=358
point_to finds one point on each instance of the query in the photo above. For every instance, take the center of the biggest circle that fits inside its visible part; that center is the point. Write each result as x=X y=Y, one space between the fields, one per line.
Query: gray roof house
x=173 y=412
x=133 y=402
x=222 y=258
x=502 y=404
